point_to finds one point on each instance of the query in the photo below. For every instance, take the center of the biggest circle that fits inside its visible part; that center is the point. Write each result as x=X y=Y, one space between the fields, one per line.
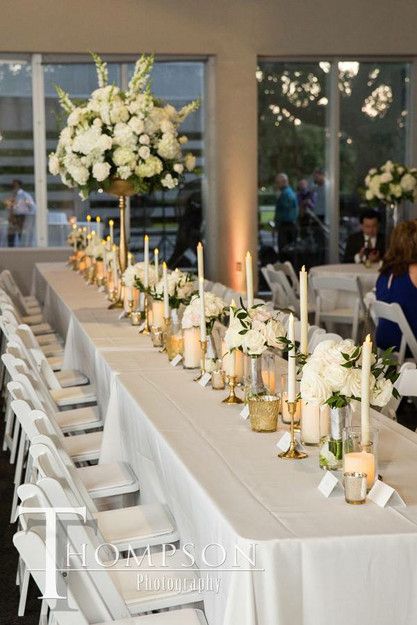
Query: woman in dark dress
x=398 y=283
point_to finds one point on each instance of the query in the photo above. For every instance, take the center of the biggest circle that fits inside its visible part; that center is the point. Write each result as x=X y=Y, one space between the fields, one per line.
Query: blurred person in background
x=368 y=243
x=286 y=213
x=21 y=208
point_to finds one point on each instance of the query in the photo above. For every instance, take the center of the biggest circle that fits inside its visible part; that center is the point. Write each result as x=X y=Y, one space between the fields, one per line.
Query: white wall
x=233 y=33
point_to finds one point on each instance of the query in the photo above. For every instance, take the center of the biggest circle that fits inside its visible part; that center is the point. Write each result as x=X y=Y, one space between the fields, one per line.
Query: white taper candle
x=292 y=372
x=304 y=310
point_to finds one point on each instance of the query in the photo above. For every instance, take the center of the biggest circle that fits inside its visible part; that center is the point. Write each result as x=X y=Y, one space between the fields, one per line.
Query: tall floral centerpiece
x=122 y=142
x=391 y=184
x=332 y=376
x=253 y=331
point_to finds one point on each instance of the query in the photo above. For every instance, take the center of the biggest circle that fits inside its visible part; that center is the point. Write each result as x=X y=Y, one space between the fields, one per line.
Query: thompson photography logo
x=157 y=567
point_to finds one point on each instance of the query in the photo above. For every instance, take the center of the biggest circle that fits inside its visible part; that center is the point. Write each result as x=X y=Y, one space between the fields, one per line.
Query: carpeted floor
x=9 y=592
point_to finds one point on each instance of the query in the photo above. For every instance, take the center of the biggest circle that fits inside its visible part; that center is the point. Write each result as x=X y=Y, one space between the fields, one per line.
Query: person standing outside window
x=20 y=206
x=286 y=213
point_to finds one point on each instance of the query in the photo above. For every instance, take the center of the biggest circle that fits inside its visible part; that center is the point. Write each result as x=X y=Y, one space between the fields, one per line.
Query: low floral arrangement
x=134 y=276
x=255 y=330
x=214 y=308
x=391 y=183
x=130 y=135
x=332 y=375
x=78 y=237
x=95 y=248
x=181 y=287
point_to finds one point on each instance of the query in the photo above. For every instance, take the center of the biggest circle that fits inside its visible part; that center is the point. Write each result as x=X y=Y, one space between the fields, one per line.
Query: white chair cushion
x=83 y=447
x=33 y=319
x=54 y=349
x=71 y=377
x=41 y=328
x=48 y=339
x=137 y=522
x=173 y=617
x=103 y=477
x=79 y=419
x=55 y=362
x=74 y=395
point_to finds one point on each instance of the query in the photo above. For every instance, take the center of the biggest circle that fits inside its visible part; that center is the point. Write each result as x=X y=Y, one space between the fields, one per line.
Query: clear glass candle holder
x=361 y=456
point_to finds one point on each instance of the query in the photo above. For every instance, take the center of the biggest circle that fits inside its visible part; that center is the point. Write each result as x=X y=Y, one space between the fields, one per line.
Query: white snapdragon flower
x=75 y=116
x=101 y=171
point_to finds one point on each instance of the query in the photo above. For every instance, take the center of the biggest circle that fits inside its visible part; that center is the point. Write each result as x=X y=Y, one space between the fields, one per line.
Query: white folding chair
x=83 y=601
x=284 y=295
x=38 y=327
x=394 y=313
x=324 y=286
x=406 y=385
x=118 y=586
x=27 y=305
x=288 y=269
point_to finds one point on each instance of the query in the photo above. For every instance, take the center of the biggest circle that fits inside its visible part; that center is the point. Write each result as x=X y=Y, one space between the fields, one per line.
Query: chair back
x=322 y=285
x=288 y=268
x=394 y=313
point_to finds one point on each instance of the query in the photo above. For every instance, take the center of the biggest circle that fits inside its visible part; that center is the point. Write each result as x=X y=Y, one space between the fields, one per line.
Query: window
x=301 y=114
x=16 y=152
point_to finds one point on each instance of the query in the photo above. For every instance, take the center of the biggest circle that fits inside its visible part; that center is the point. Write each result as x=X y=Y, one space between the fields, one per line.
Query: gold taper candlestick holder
x=146 y=329
x=292 y=452
x=117 y=299
x=131 y=304
x=166 y=326
x=203 y=345
x=232 y=398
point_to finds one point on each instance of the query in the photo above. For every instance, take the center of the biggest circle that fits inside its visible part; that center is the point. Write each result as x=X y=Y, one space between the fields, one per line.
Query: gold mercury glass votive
x=136 y=318
x=174 y=345
x=217 y=380
x=263 y=412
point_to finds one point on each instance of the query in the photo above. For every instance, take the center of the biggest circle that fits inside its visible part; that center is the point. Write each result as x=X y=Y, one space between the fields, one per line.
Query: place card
x=176 y=360
x=285 y=441
x=244 y=413
x=205 y=379
x=383 y=494
x=329 y=483
x=122 y=315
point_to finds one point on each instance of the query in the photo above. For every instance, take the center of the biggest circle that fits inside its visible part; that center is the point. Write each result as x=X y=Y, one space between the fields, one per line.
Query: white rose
x=313 y=387
x=336 y=376
x=253 y=343
x=352 y=385
x=144 y=139
x=232 y=338
x=189 y=161
x=369 y=195
x=395 y=190
x=101 y=171
x=389 y=165
x=386 y=177
x=272 y=331
x=144 y=152
x=381 y=393
x=168 y=146
x=178 y=168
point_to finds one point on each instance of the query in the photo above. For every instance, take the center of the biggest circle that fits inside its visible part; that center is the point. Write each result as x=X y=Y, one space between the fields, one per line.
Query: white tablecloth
x=319 y=560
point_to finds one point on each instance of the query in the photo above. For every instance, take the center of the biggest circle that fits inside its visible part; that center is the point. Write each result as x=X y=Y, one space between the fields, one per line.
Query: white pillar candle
x=200 y=260
x=360 y=462
x=365 y=388
x=249 y=280
x=156 y=260
x=115 y=276
x=88 y=224
x=292 y=373
x=157 y=313
x=129 y=259
x=315 y=422
x=192 y=348
x=146 y=260
x=166 y=292
x=304 y=311
x=203 y=333
x=111 y=228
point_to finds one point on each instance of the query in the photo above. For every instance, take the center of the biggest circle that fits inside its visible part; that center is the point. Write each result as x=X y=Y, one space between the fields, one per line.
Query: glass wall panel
x=373 y=113
x=17 y=208
x=292 y=104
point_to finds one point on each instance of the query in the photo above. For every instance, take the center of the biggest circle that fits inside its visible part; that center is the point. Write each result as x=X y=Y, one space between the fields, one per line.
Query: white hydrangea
x=101 y=171
x=136 y=125
x=124 y=172
x=168 y=146
x=54 y=164
x=151 y=167
x=169 y=182
x=123 y=156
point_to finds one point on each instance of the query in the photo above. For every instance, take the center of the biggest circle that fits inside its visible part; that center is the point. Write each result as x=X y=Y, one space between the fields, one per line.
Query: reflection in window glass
x=292 y=104
x=17 y=210
x=373 y=113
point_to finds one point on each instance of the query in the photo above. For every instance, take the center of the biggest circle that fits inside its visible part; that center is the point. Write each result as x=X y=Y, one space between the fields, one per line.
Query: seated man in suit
x=368 y=243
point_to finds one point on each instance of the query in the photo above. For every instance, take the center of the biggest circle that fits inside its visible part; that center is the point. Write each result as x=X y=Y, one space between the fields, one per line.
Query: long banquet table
x=318 y=560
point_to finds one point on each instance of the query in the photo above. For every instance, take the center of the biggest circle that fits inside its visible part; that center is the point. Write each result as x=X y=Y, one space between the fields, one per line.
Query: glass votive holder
x=136 y=318
x=156 y=336
x=355 y=487
x=217 y=379
x=263 y=412
x=361 y=456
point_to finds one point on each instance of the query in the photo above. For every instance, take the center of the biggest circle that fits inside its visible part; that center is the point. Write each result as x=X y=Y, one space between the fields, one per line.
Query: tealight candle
x=360 y=462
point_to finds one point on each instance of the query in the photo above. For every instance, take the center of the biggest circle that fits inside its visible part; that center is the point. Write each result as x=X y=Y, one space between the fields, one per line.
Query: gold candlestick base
x=116 y=299
x=130 y=304
x=167 y=323
x=232 y=398
x=203 y=345
x=292 y=452
x=146 y=329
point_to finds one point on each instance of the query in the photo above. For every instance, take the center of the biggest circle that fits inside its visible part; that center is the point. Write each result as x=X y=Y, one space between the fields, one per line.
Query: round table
x=367 y=276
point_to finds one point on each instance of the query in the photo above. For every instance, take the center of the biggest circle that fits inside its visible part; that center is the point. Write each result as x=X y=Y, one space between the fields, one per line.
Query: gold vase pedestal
x=122 y=189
